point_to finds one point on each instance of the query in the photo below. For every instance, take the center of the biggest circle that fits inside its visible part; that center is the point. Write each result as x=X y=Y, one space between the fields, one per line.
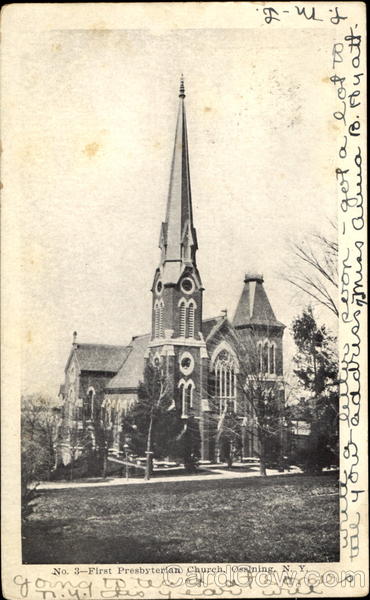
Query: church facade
x=201 y=356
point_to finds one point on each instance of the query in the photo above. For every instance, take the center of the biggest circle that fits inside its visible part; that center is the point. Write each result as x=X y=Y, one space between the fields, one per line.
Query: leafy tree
x=155 y=425
x=300 y=411
x=316 y=360
x=154 y=422
x=102 y=433
x=188 y=444
x=316 y=367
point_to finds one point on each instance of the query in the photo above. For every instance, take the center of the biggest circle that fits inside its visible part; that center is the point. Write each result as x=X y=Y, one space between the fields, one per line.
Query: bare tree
x=314 y=268
x=40 y=420
x=74 y=438
x=258 y=402
x=39 y=429
x=104 y=420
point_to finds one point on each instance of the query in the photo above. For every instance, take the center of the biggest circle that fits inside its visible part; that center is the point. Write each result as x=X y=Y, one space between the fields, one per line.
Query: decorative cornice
x=187 y=342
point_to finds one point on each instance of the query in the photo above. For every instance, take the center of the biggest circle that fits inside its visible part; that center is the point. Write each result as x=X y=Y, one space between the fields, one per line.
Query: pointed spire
x=178 y=236
x=182 y=87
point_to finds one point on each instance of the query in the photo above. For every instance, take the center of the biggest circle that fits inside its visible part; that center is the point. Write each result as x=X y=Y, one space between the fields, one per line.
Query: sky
x=94 y=123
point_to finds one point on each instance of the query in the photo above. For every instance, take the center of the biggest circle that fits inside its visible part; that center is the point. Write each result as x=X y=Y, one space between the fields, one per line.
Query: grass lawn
x=274 y=519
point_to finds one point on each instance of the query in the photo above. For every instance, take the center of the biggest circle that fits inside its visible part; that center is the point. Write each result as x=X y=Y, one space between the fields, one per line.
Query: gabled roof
x=99 y=357
x=132 y=370
x=210 y=326
x=254 y=307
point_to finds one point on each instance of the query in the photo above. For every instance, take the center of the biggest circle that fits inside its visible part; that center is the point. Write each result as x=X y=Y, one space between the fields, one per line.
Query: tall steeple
x=178 y=240
x=177 y=291
x=177 y=288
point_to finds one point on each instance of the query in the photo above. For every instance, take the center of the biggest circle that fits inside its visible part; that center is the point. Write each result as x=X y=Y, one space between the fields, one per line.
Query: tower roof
x=178 y=236
x=254 y=307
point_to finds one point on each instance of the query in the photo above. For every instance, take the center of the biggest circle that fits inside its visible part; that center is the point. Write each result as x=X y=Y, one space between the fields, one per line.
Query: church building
x=201 y=355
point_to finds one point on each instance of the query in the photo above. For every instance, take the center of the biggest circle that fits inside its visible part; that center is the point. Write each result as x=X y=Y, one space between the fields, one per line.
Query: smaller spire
x=182 y=87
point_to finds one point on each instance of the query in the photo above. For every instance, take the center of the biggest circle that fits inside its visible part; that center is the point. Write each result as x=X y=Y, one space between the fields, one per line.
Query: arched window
x=259 y=356
x=272 y=359
x=156 y=359
x=227 y=372
x=191 y=310
x=265 y=357
x=109 y=415
x=71 y=398
x=182 y=317
x=186 y=395
x=160 y=325
x=89 y=409
x=188 y=399
x=212 y=382
x=225 y=367
x=181 y=387
x=156 y=319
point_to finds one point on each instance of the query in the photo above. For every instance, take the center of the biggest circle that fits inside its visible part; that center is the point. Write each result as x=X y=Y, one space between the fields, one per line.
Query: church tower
x=254 y=314
x=177 y=290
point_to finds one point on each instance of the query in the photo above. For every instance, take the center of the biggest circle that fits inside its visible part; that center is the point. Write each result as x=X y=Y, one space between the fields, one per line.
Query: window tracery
x=225 y=367
x=266 y=357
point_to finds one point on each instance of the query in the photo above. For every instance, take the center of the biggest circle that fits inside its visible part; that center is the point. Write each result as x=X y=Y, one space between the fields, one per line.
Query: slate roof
x=254 y=307
x=101 y=357
x=209 y=325
x=179 y=213
x=132 y=370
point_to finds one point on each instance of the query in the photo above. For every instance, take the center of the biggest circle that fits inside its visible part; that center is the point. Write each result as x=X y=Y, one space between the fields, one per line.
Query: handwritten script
x=348 y=78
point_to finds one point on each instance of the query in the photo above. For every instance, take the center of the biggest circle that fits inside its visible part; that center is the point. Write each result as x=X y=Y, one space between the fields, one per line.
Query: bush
x=34 y=466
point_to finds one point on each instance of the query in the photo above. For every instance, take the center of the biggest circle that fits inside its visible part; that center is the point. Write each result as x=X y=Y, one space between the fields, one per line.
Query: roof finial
x=182 y=87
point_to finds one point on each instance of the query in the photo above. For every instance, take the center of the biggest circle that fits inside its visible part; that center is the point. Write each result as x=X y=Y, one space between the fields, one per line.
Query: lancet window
x=272 y=359
x=182 y=317
x=89 y=410
x=187 y=317
x=158 y=318
x=225 y=367
x=191 y=316
x=186 y=393
x=266 y=353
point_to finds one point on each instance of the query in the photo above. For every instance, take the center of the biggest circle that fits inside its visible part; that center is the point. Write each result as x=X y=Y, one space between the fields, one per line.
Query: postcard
x=184 y=300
